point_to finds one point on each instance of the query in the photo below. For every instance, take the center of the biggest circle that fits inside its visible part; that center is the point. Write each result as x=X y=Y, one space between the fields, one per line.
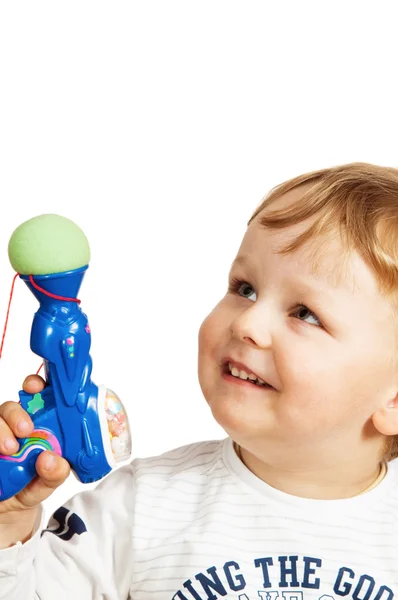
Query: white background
x=158 y=127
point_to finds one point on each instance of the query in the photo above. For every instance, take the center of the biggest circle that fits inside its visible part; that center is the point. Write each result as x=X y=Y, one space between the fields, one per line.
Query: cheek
x=213 y=337
x=333 y=384
x=311 y=385
x=213 y=331
x=302 y=365
x=207 y=344
x=207 y=339
x=206 y=335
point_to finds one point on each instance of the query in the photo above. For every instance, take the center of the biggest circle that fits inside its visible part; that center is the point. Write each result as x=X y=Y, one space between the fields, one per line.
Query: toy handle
x=106 y=440
x=17 y=470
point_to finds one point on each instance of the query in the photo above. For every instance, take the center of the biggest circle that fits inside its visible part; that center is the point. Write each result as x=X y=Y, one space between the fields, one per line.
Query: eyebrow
x=239 y=260
x=302 y=285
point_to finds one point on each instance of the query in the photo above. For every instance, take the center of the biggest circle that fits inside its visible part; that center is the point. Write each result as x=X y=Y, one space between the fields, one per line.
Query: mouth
x=241 y=374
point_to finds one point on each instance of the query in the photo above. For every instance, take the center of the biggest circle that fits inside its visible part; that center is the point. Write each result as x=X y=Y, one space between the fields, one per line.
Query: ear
x=385 y=419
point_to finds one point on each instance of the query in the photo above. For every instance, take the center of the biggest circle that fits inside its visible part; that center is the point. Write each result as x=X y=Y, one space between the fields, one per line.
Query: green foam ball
x=48 y=244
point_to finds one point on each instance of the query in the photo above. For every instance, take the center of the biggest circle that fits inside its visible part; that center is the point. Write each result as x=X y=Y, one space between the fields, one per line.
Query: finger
x=50 y=476
x=8 y=443
x=33 y=384
x=16 y=418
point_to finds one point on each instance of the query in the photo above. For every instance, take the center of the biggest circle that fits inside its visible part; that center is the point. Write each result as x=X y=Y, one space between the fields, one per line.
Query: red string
x=49 y=294
x=8 y=312
x=6 y=323
x=40 y=290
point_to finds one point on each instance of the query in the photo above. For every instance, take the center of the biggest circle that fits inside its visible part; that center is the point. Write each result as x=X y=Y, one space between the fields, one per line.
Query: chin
x=235 y=417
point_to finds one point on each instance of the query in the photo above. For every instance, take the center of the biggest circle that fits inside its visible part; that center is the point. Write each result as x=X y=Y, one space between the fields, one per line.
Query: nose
x=253 y=326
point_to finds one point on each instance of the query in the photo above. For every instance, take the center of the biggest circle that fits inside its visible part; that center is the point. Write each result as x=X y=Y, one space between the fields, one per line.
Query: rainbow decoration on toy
x=41 y=439
x=73 y=417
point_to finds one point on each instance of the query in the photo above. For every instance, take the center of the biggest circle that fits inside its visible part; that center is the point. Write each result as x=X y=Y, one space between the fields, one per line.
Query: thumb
x=52 y=471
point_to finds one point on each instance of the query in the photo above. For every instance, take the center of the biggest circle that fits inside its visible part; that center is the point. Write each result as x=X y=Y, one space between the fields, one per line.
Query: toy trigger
x=33 y=403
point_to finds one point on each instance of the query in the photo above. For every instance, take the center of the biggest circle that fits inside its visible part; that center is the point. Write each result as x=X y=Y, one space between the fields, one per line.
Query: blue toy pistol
x=73 y=417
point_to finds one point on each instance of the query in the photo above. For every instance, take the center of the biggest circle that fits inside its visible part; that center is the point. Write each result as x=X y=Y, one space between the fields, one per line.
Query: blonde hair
x=360 y=201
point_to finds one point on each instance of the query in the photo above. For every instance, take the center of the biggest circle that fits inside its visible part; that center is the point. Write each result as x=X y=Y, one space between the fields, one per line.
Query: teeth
x=243 y=375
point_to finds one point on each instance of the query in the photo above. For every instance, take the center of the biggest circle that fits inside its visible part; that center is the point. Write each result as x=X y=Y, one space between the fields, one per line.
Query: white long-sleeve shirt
x=196 y=524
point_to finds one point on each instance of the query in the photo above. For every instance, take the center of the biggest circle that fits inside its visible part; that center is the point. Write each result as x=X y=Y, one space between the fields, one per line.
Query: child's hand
x=52 y=469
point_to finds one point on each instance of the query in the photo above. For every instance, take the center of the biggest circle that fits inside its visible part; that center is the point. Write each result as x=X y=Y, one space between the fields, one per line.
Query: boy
x=298 y=363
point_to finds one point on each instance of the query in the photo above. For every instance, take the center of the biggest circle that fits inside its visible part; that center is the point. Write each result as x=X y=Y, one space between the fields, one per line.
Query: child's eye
x=242 y=288
x=303 y=313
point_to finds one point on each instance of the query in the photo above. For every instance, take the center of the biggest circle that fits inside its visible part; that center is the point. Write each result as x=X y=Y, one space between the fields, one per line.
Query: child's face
x=323 y=344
